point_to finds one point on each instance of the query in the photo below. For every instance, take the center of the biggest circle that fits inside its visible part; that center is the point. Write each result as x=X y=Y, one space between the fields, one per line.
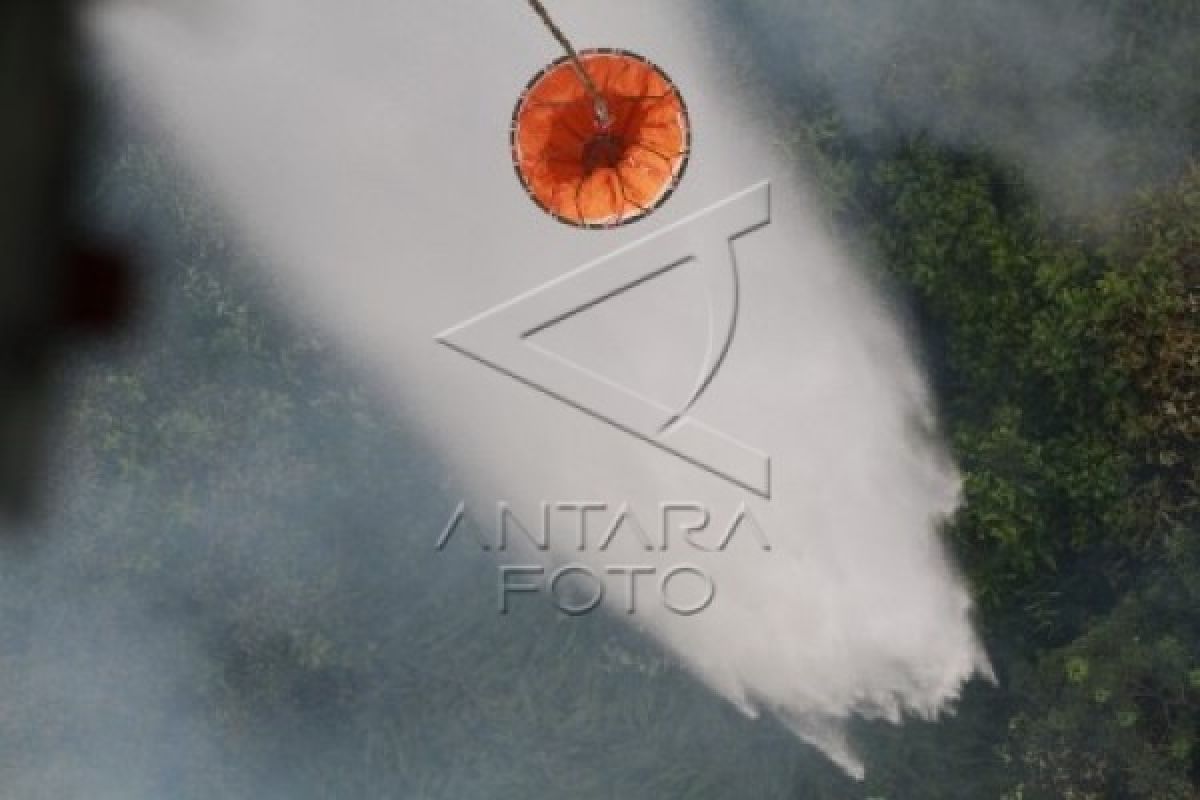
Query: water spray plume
x=297 y=117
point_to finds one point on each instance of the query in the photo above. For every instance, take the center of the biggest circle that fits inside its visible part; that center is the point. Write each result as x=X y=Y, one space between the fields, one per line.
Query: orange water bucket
x=593 y=170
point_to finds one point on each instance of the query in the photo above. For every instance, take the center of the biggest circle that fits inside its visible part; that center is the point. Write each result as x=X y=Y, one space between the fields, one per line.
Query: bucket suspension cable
x=598 y=102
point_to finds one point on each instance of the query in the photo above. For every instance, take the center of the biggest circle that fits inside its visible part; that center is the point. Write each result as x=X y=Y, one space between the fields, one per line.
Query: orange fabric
x=590 y=176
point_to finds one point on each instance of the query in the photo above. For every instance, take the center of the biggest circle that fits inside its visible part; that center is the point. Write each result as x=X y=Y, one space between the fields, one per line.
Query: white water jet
x=362 y=146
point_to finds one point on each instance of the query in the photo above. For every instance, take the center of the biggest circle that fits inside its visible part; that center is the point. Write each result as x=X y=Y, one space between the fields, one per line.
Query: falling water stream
x=362 y=146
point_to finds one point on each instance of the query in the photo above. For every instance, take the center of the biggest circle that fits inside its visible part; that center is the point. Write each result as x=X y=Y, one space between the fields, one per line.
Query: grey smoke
x=1022 y=80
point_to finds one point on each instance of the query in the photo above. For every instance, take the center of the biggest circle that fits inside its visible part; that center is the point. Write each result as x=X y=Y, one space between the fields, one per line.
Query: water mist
x=362 y=147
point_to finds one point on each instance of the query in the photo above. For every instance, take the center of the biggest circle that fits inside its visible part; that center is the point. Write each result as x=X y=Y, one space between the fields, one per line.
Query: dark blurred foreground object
x=51 y=288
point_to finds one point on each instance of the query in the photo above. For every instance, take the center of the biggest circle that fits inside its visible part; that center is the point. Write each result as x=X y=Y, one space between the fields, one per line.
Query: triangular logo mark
x=501 y=338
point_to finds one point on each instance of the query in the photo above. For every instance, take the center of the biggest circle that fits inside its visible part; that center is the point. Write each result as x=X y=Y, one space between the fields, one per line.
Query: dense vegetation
x=220 y=470
x=1068 y=357
x=1065 y=341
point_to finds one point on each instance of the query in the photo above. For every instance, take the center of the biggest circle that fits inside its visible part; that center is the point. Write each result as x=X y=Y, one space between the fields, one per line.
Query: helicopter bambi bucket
x=600 y=138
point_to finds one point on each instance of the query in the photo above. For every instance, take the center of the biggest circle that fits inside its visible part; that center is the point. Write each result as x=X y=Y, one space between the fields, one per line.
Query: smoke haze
x=1021 y=80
